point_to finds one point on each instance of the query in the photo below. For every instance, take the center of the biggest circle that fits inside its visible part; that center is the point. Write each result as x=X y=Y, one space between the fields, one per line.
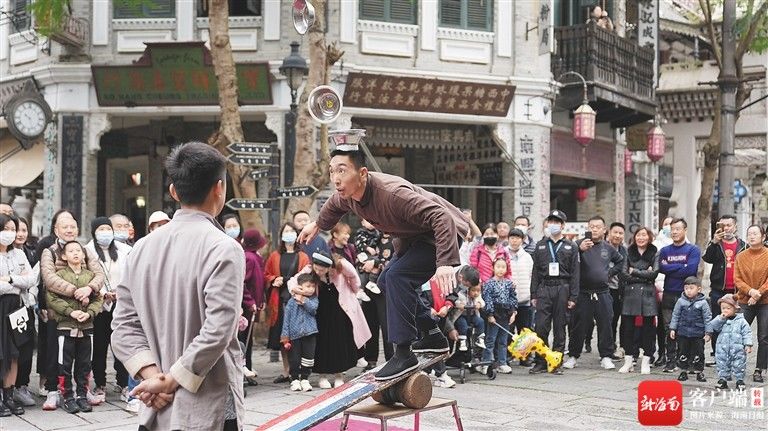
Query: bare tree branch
x=706 y=8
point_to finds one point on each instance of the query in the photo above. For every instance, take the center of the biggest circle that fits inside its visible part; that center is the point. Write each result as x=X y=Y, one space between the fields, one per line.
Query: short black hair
x=597 y=218
x=306 y=277
x=193 y=168
x=299 y=212
x=228 y=216
x=617 y=224
x=693 y=280
x=470 y=274
x=357 y=157
x=679 y=220
x=728 y=216
x=4 y=219
x=522 y=217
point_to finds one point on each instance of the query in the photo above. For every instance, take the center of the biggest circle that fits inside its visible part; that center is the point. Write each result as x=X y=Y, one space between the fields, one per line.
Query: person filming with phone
x=721 y=253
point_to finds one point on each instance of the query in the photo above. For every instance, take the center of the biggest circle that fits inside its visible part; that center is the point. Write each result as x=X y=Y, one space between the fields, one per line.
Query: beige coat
x=178 y=307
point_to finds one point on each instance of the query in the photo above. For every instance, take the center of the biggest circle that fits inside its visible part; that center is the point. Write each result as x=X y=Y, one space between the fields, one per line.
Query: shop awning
x=19 y=167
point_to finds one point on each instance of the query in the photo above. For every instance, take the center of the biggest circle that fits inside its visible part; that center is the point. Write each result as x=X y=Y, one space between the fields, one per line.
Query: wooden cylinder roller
x=414 y=392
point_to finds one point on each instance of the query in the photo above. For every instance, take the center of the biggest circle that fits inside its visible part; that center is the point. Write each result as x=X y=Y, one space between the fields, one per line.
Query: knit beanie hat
x=99 y=221
x=253 y=240
x=728 y=299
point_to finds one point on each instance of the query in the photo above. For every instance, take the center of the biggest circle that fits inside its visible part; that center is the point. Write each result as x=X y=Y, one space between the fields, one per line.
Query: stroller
x=470 y=359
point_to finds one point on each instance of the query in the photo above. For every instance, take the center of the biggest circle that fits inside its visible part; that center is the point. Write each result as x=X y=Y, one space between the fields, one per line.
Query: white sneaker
x=133 y=405
x=645 y=365
x=570 y=363
x=52 y=401
x=482 y=369
x=373 y=287
x=628 y=366
x=42 y=391
x=124 y=395
x=338 y=382
x=362 y=296
x=619 y=352
x=305 y=386
x=296 y=386
x=504 y=369
x=607 y=363
x=93 y=399
x=444 y=381
x=463 y=343
x=323 y=383
x=480 y=343
x=362 y=363
x=248 y=373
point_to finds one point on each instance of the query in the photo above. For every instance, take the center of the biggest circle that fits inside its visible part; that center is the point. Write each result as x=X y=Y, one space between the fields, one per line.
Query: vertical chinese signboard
x=72 y=164
x=648 y=30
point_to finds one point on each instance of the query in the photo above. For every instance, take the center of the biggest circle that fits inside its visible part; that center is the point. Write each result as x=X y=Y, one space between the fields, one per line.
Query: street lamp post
x=294 y=68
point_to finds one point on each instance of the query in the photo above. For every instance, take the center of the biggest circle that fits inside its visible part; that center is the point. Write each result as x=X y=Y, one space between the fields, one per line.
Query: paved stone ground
x=586 y=398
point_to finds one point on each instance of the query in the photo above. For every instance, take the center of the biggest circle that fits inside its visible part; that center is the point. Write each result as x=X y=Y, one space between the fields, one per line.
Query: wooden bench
x=384 y=413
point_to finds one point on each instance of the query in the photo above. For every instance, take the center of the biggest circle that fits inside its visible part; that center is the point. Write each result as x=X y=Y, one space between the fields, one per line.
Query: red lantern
x=628 y=163
x=584 y=124
x=581 y=194
x=656 y=142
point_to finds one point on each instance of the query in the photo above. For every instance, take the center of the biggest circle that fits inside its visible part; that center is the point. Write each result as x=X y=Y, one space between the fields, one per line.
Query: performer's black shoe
x=433 y=342
x=397 y=366
x=683 y=376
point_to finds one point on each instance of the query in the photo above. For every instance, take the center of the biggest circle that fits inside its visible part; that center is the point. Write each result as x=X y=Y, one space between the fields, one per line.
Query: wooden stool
x=384 y=413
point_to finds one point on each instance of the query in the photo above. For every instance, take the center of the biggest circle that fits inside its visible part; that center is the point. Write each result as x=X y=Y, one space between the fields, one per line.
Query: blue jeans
x=464 y=322
x=131 y=384
x=496 y=342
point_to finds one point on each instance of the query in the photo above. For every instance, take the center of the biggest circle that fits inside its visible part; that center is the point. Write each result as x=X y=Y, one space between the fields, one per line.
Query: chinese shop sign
x=431 y=95
x=176 y=74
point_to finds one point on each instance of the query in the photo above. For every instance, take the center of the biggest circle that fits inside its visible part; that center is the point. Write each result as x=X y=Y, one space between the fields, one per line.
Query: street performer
x=427 y=230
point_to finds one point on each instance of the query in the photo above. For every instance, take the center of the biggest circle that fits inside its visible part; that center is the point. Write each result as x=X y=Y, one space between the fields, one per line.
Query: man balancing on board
x=427 y=230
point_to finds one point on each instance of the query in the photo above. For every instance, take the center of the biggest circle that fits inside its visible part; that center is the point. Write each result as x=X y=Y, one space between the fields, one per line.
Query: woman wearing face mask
x=231 y=226
x=485 y=253
x=65 y=230
x=341 y=325
x=111 y=258
x=22 y=395
x=281 y=265
x=16 y=277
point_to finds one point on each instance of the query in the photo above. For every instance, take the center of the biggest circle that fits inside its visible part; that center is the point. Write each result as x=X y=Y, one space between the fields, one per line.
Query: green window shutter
x=374 y=10
x=21 y=20
x=160 y=9
x=144 y=9
x=450 y=13
x=402 y=11
x=479 y=14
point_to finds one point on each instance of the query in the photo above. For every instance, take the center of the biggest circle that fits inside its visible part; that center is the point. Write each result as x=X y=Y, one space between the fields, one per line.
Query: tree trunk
x=230 y=128
x=708 y=177
x=307 y=169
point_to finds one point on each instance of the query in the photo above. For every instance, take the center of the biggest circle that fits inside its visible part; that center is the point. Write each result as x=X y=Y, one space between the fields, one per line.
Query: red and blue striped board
x=336 y=400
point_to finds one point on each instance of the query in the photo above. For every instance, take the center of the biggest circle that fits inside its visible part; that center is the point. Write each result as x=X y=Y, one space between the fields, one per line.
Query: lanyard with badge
x=554 y=266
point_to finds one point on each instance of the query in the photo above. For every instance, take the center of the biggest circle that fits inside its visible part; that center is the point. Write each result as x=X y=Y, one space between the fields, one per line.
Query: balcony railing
x=605 y=59
x=72 y=32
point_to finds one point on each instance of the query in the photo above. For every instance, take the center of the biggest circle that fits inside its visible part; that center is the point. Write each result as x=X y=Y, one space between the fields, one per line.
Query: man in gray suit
x=175 y=324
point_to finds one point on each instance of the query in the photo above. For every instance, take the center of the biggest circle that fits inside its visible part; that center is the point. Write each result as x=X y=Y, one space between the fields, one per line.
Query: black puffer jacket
x=639 y=287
